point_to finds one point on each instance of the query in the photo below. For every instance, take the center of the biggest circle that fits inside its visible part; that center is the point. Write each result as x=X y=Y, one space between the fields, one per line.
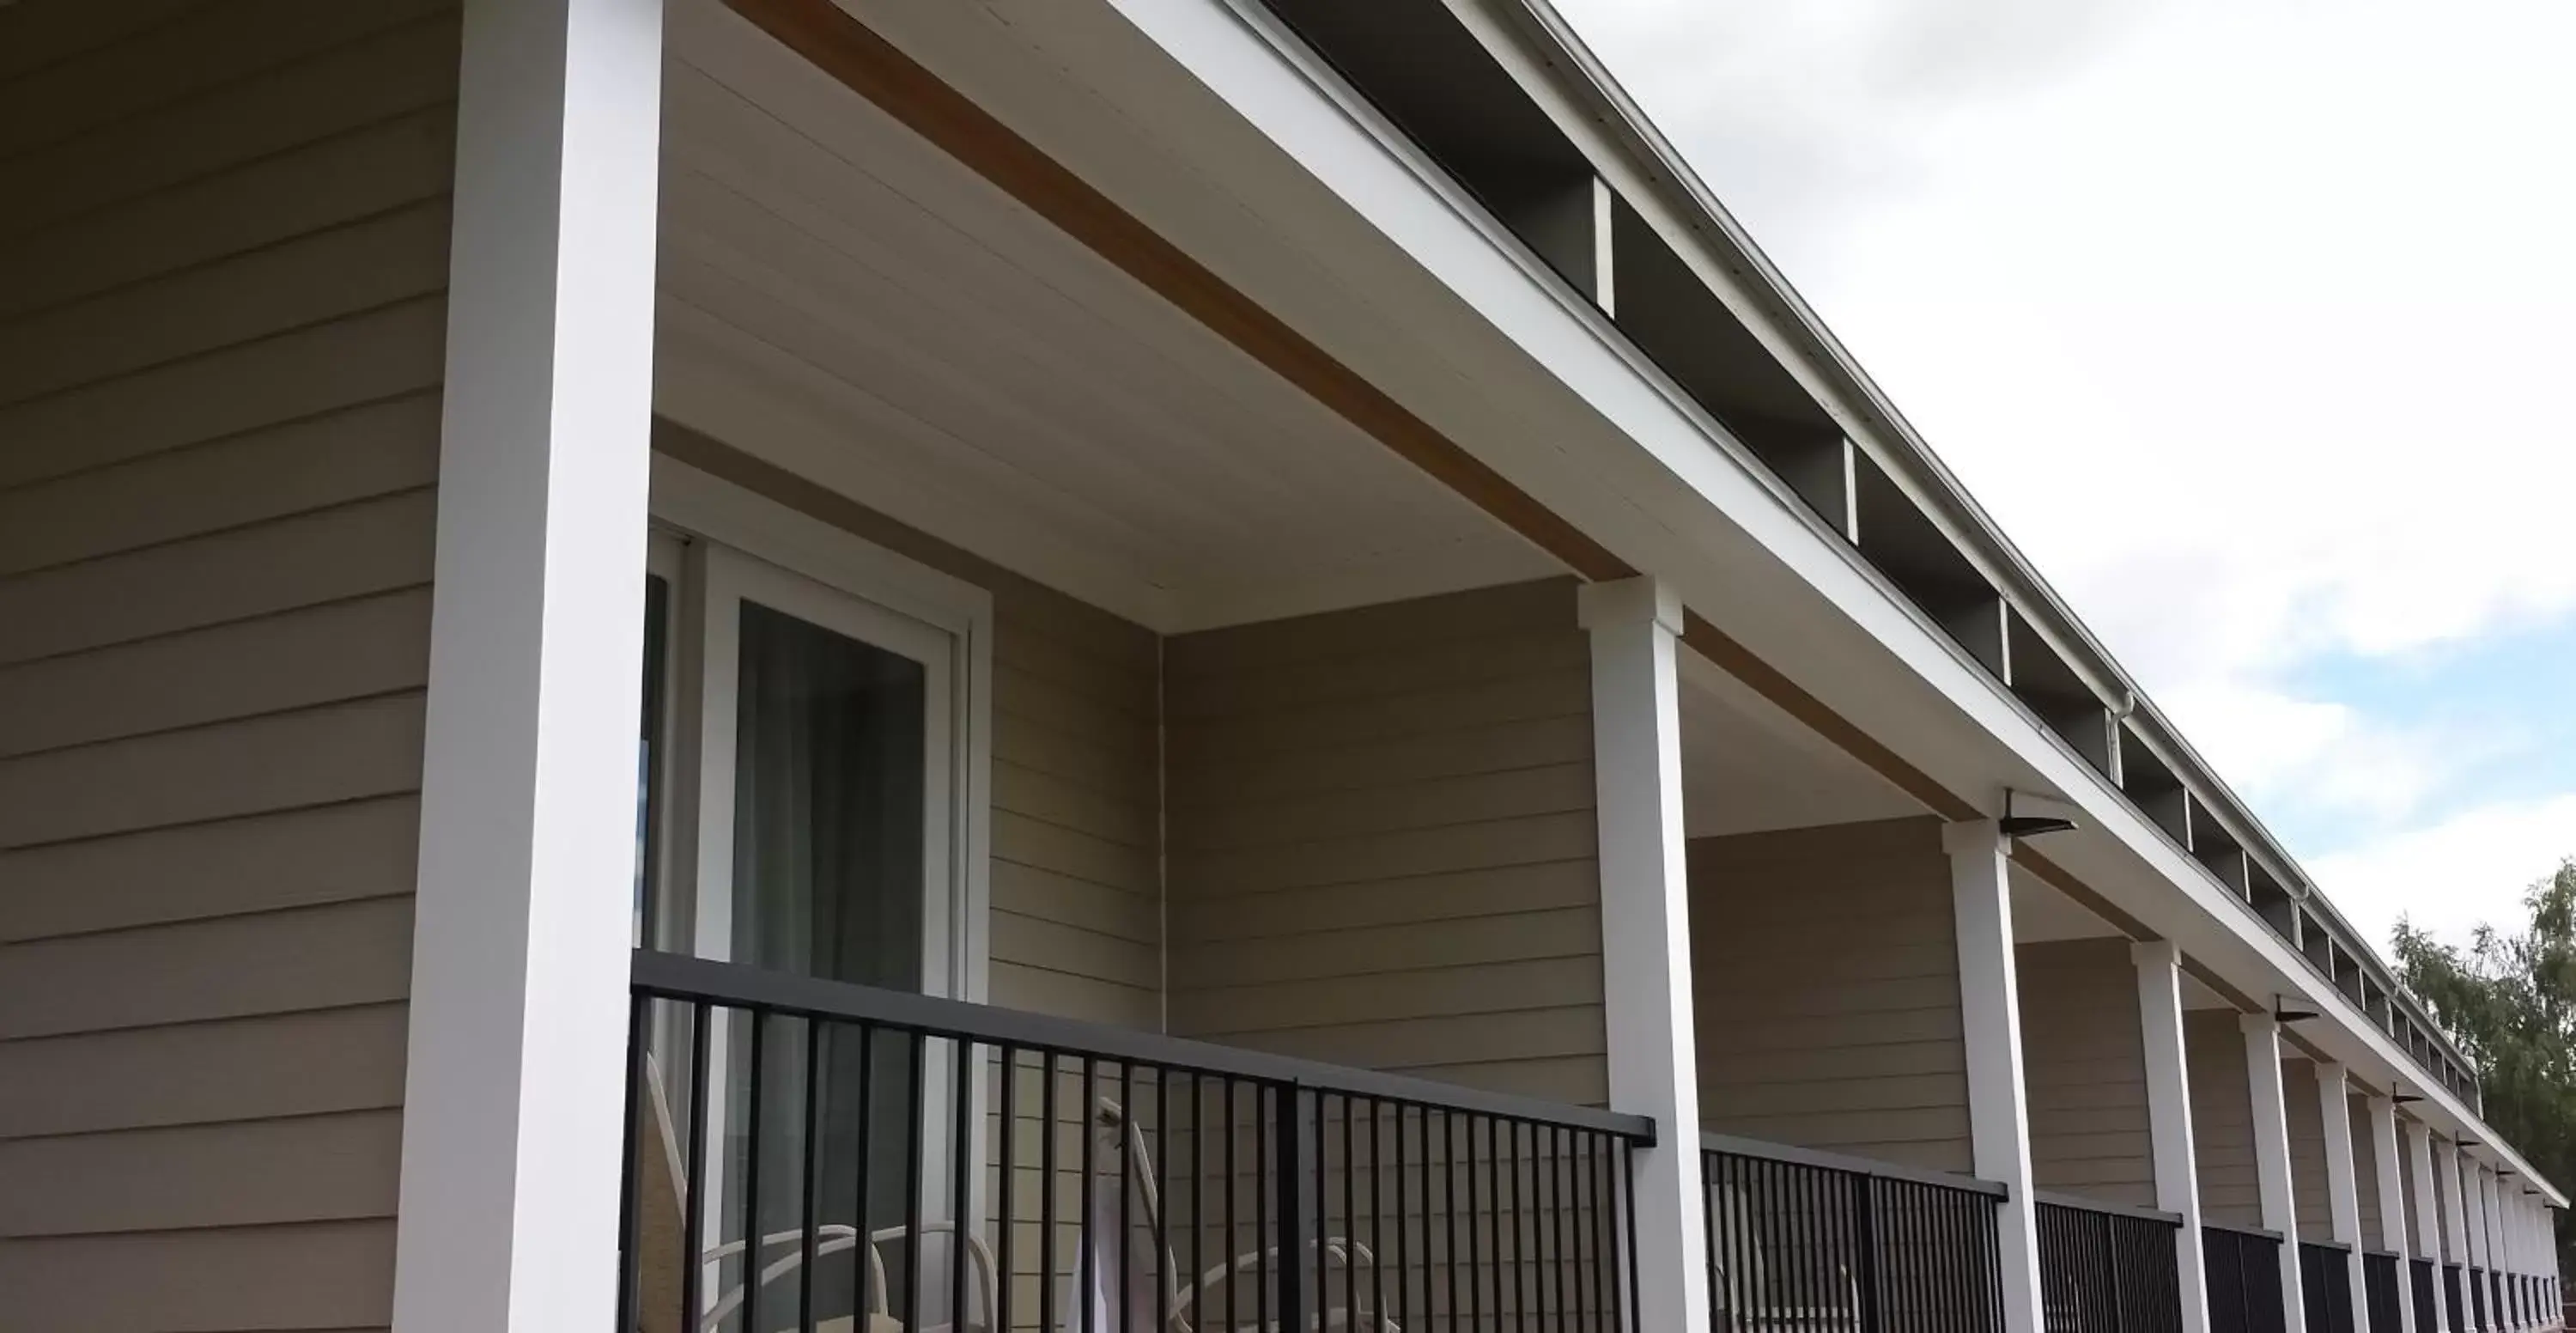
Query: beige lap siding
x=1076 y=881
x=1825 y=972
x=1381 y=833
x=2307 y=1151
x=2365 y=1157
x=2222 y=1118
x=223 y=250
x=2084 y=1062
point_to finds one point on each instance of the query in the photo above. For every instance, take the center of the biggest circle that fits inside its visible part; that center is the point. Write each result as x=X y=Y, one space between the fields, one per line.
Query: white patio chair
x=1118 y=1135
x=661 y=1191
x=1747 y=1298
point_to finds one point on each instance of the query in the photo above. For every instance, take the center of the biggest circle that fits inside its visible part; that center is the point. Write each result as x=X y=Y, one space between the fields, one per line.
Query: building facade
x=1079 y=664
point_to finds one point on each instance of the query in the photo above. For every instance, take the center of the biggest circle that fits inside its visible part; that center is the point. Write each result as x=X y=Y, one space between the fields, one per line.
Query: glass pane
x=827 y=804
x=830 y=746
x=648 y=749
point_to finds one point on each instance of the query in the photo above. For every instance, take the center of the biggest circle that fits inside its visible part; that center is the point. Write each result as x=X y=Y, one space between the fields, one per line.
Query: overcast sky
x=2252 y=322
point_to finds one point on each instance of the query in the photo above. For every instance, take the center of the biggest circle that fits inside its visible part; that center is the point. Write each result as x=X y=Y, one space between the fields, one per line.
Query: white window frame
x=716 y=542
x=688 y=503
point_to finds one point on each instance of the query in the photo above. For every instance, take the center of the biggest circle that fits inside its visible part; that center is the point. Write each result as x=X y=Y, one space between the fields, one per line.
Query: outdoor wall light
x=2044 y=816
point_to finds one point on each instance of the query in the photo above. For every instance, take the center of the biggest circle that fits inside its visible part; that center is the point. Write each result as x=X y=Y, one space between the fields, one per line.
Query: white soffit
x=841 y=298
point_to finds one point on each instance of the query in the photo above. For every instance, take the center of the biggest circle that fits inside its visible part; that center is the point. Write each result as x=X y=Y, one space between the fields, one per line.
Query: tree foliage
x=2509 y=1000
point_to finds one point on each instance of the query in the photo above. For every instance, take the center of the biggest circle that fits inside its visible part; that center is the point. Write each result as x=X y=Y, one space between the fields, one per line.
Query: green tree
x=2509 y=1000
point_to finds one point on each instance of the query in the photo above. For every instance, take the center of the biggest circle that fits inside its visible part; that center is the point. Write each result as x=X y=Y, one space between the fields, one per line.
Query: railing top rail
x=2340 y=1247
x=2081 y=1204
x=1834 y=1161
x=678 y=977
x=2259 y=1233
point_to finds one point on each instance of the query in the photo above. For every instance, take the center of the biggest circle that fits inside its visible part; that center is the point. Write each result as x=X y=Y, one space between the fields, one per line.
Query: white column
x=512 y=1119
x=2428 y=1217
x=1645 y=932
x=2168 y=1067
x=2343 y=1185
x=2479 y=1254
x=2392 y=1203
x=2456 y=1228
x=2272 y=1156
x=2489 y=1197
x=1990 y=1011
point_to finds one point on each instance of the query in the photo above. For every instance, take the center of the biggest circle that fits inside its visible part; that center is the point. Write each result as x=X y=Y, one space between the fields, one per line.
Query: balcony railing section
x=1815 y=1242
x=2325 y=1286
x=2244 y=1272
x=2382 y=1289
x=2477 y=1281
x=2423 y=1288
x=805 y=1154
x=2104 y=1268
x=2454 y=1301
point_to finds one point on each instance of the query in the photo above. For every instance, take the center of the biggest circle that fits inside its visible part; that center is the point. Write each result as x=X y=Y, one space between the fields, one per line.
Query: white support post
x=2479 y=1257
x=2159 y=965
x=2428 y=1218
x=1645 y=933
x=2456 y=1228
x=2343 y=1184
x=2272 y=1157
x=2392 y=1203
x=2492 y=1252
x=513 y=1093
x=1990 y=1011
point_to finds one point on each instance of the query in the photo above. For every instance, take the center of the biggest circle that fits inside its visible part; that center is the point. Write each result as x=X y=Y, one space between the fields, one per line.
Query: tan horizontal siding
x=2308 y=1189
x=2084 y=1061
x=1076 y=872
x=2365 y=1170
x=2222 y=1118
x=1825 y=973
x=222 y=326
x=1382 y=840
x=2413 y=1247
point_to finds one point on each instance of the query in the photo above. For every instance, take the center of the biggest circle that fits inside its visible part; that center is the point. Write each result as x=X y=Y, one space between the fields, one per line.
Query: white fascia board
x=1686 y=503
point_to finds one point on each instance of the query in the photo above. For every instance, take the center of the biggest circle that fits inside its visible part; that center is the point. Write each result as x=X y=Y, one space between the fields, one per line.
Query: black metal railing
x=1815 y=1242
x=2244 y=1275
x=2422 y=1287
x=2104 y=1268
x=2453 y=1300
x=2325 y=1286
x=2477 y=1283
x=804 y=1153
x=2381 y=1290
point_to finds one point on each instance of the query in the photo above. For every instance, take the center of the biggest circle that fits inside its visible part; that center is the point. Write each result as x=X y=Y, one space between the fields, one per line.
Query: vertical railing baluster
x=1006 y=1213
x=1126 y=1186
x=915 y=1136
x=1865 y=1247
x=808 y=1220
x=694 y=1195
x=1049 y=1071
x=1086 y=1258
x=866 y=1277
x=630 y=1264
x=751 y=1236
x=1290 y=1222
x=960 y=1187
x=1162 y=1214
x=1198 y=1194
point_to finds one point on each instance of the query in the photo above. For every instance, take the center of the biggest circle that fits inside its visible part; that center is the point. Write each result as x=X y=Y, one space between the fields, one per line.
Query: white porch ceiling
x=843 y=299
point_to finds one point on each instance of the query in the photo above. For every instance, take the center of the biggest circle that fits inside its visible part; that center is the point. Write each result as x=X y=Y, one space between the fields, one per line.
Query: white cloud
x=2452 y=876
x=2246 y=318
